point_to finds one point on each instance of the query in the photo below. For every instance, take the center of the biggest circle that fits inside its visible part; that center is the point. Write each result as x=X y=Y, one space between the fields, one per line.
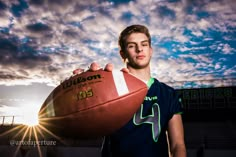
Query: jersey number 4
x=152 y=119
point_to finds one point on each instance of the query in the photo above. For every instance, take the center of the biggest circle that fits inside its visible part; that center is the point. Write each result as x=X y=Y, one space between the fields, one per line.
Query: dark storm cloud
x=38 y=27
x=12 y=52
x=17 y=9
x=3 y=6
x=36 y=2
x=10 y=76
x=117 y=2
x=71 y=33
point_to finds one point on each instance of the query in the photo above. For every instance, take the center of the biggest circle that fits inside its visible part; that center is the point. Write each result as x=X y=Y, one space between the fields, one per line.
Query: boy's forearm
x=179 y=151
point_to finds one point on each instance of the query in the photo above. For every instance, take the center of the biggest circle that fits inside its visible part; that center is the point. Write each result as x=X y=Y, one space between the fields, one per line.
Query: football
x=92 y=104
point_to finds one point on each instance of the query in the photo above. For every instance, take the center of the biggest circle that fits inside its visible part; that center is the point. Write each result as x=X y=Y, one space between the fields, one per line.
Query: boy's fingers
x=94 y=67
x=125 y=70
x=78 y=71
x=109 y=67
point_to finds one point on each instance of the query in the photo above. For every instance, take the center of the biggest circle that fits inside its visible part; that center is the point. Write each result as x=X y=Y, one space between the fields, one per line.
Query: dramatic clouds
x=43 y=41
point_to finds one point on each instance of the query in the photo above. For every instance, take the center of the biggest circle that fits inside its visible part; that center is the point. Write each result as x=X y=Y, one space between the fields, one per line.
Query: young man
x=145 y=134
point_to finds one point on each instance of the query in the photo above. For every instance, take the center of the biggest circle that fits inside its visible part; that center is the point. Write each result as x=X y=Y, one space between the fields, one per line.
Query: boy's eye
x=145 y=44
x=130 y=46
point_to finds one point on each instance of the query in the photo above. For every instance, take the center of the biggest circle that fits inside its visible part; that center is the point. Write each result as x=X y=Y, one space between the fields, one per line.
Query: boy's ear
x=122 y=54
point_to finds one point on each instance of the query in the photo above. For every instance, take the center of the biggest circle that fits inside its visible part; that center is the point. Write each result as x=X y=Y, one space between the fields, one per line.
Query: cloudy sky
x=43 y=41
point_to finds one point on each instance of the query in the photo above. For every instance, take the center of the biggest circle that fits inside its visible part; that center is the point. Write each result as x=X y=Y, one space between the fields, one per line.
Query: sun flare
x=31 y=120
x=30 y=115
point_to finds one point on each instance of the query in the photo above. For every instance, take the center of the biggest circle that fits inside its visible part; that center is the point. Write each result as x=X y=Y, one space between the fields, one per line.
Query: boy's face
x=138 y=51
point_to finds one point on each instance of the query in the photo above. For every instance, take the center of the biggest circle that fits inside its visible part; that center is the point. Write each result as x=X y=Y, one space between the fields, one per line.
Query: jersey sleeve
x=172 y=100
x=176 y=106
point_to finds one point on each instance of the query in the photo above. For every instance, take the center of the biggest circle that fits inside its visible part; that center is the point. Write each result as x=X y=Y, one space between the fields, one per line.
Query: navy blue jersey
x=145 y=134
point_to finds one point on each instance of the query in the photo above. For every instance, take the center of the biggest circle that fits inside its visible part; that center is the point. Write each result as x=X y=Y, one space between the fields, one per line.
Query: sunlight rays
x=29 y=137
x=33 y=133
x=22 y=139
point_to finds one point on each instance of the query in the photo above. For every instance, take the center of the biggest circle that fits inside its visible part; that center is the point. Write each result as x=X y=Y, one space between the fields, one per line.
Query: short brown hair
x=132 y=29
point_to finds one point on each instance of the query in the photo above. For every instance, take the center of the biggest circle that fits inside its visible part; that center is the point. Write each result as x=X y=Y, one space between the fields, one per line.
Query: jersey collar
x=150 y=82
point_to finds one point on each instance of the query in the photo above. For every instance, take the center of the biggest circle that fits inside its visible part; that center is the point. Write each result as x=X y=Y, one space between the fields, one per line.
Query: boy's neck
x=143 y=74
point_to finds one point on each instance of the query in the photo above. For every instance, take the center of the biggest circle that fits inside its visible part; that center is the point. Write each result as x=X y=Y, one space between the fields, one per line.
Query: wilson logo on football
x=78 y=80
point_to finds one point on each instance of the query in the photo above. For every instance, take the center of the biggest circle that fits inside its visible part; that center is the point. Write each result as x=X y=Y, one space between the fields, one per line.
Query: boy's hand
x=109 y=67
x=78 y=71
x=95 y=66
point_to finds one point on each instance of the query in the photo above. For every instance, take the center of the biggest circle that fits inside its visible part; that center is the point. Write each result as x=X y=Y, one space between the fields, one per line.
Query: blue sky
x=42 y=42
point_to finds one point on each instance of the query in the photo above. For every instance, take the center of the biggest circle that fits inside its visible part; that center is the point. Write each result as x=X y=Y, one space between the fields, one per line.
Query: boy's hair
x=129 y=30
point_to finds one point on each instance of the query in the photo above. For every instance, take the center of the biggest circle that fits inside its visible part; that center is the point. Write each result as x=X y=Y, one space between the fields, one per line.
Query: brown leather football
x=92 y=104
